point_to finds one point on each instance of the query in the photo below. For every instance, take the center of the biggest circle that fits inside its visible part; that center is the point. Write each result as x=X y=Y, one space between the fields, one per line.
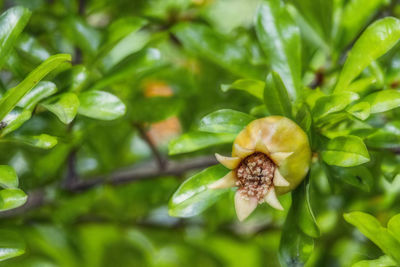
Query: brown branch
x=147 y=170
x=153 y=148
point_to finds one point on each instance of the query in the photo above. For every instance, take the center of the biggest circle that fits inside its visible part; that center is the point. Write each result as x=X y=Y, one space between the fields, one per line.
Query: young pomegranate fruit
x=270 y=156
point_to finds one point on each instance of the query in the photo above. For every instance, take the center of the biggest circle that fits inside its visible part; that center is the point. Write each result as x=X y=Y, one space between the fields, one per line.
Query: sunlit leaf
x=383 y=100
x=8 y=177
x=64 y=106
x=11 y=245
x=280 y=38
x=253 y=87
x=193 y=196
x=375 y=41
x=12 y=198
x=193 y=141
x=101 y=105
x=41 y=91
x=345 y=151
x=14 y=95
x=224 y=121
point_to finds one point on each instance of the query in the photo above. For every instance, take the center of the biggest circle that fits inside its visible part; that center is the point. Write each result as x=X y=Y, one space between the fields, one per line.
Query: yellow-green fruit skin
x=280 y=134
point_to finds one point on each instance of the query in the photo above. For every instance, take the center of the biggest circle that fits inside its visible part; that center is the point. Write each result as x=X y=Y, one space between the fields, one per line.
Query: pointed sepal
x=272 y=200
x=244 y=206
x=279 y=157
x=242 y=152
x=229 y=162
x=279 y=180
x=229 y=180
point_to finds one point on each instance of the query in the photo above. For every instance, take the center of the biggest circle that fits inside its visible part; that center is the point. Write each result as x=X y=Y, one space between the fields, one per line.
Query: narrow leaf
x=276 y=98
x=253 y=87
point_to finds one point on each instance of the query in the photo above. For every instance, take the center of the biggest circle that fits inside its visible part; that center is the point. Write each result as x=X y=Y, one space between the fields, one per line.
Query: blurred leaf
x=394 y=226
x=318 y=14
x=43 y=141
x=383 y=100
x=64 y=106
x=253 y=87
x=276 y=96
x=296 y=244
x=383 y=261
x=304 y=119
x=155 y=109
x=101 y=105
x=41 y=91
x=12 y=22
x=30 y=48
x=358 y=176
x=355 y=16
x=375 y=41
x=225 y=121
x=280 y=38
x=205 y=42
x=345 y=151
x=81 y=34
x=15 y=119
x=12 y=198
x=360 y=110
x=332 y=103
x=193 y=196
x=14 y=95
x=372 y=229
x=193 y=141
x=11 y=245
x=8 y=177
x=387 y=136
x=134 y=66
x=361 y=85
x=74 y=79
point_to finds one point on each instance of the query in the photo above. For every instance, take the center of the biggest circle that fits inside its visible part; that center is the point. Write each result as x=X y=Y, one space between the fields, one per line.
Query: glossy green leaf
x=280 y=38
x=372 y=229
x=8 y=177
x=332 y=103
x=41 y=91
x=383 y=261
x=74 y=79
x=383 y=100
x=101 y=105
x=43 y=141
x=276 y=97
x=12 y=198
x=12 y=22
x=205 y=42
x=14 y=95
x=193 y=196
x=360 y=110
x=155 y=109
x=14 y=120
x=193 y=141
x=253 y=87
x=64 y=106
x=345 y=151
x=375 y=41
x=224 y=121
x=296 y=244
x=356 y=14
x=11 y=245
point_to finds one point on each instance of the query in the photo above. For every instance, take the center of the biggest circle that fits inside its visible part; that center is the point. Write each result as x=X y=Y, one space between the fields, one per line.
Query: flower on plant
x=270 y=157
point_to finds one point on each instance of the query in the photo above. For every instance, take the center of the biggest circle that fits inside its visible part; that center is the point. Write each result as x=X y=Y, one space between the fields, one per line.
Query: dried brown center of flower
x=255 y=175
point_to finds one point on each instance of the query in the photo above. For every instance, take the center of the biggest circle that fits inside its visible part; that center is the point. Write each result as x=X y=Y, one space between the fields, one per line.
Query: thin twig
x=147 y=170
x=154 y=150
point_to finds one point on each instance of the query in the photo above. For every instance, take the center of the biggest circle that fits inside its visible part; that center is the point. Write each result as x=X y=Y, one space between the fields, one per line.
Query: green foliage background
x=76 y=146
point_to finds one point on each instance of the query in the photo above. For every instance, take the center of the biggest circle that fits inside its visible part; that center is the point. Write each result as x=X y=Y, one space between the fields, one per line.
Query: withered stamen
x=255 y=175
